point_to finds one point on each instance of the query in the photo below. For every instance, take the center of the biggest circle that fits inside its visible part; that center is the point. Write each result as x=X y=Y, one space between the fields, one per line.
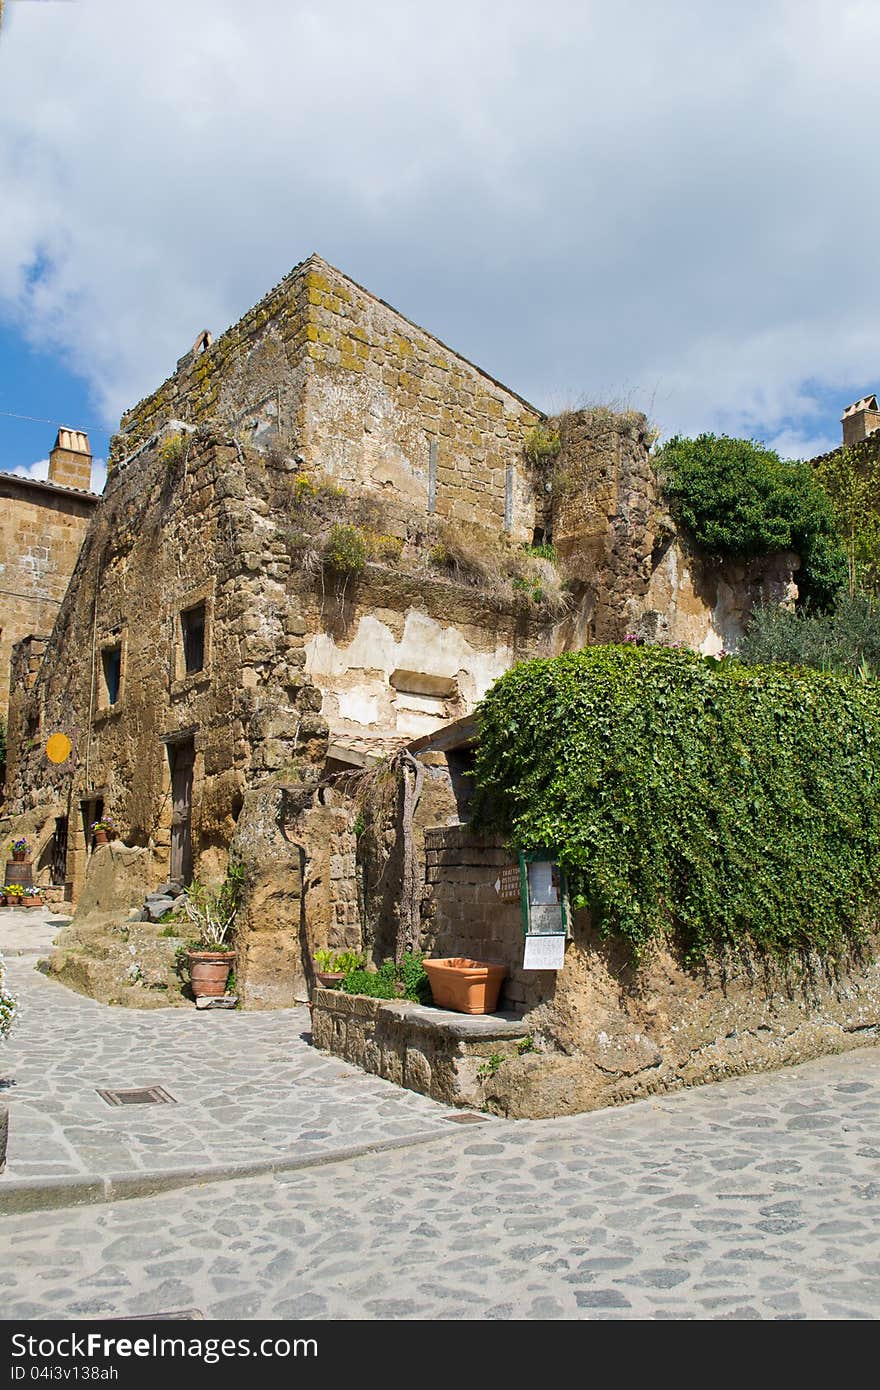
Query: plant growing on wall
x=739 y=499
x=690 y=798
x=345 y=551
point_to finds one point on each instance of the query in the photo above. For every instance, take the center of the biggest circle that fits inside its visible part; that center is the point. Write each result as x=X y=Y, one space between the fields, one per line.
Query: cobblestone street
x=753 y=1198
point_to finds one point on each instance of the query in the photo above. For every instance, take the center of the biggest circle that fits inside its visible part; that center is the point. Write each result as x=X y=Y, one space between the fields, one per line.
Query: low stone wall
x=446 y=1055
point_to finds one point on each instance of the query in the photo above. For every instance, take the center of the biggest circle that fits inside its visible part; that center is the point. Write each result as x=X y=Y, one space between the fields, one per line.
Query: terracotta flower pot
x=330 y=979
x=463 y=985
x=33 y=902
x=19 y=855
x=209 y=971
x=100 y=837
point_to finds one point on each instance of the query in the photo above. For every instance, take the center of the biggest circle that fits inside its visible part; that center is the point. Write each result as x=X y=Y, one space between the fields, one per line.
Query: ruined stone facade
x=42 y=526
x=312 y=551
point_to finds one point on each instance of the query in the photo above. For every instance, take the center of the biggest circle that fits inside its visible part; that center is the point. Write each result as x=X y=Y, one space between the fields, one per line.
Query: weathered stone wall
x=630 y=573
x=171 y=535
x=707 y=606
x=324 y=369
x=389 y=405
x=445 y=1055
x=465 y=916
x=41 y=531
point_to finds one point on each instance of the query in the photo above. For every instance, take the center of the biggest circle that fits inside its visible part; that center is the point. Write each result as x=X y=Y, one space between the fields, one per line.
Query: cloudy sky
x=672 y=206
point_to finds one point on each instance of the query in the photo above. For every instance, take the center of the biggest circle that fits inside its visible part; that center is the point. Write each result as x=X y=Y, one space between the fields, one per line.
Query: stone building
x=320 y=542
x=42 y=525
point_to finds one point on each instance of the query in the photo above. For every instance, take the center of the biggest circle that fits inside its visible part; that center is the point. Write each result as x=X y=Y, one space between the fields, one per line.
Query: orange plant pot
x=100 y=837
x=209 y=972
x=465 y=986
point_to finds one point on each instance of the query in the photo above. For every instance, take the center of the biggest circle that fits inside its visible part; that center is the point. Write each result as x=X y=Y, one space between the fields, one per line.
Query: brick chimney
x=860 y=419
x=70 y=462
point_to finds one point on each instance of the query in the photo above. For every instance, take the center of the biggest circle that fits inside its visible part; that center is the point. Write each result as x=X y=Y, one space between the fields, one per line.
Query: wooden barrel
x=20 y=873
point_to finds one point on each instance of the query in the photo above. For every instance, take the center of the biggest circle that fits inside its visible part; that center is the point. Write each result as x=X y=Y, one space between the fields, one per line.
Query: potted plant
x=18 y=849
x=14 y=893
x=210 y=955
x=101 y=831
x=32 y=898
x=331 y=967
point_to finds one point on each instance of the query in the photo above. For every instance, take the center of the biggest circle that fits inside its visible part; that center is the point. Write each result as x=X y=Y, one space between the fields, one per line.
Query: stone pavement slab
x=755 y=1198
x=249 y=1092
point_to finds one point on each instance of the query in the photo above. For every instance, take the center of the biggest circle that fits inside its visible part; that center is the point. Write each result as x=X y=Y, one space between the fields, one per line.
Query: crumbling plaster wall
x=631 y=574
x=403 y=655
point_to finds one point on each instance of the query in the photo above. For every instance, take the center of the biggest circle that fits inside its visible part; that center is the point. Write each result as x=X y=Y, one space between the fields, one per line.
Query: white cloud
x=99 y=474
x=38 y=471
x=668 y=203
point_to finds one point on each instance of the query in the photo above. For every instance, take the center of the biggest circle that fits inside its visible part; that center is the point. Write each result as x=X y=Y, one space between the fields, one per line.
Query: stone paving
x=754 y=1198
x=248 y=1087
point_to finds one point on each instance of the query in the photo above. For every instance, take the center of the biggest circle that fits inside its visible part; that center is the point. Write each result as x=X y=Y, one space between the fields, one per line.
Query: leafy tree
x=850 y=478
x=739 y=499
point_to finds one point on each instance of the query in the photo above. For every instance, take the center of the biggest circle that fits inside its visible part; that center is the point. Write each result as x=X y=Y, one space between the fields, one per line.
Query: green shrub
x=847 y=639
x=541 y=444
x=703 y=800
x=404 y=981
x=345 y=551
x=739 y=499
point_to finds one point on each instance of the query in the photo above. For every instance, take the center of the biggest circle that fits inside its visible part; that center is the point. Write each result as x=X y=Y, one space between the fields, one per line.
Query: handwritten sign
x=509 y=884
x=544 y=952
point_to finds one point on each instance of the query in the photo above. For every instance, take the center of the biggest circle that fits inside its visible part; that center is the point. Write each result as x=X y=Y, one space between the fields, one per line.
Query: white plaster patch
x=359 y=706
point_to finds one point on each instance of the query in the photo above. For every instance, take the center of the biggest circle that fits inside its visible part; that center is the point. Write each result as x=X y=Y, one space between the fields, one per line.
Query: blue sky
x=672 y=207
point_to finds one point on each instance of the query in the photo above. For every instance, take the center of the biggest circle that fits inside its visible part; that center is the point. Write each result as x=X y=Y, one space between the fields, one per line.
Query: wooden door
x=181 y=756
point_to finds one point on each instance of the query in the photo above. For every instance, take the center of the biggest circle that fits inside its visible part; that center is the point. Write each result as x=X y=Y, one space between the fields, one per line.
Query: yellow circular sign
x=58 y=748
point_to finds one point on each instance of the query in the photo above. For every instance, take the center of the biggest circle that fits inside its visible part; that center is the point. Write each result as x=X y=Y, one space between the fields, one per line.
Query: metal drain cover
x=142 y=1095
x=468 y=1118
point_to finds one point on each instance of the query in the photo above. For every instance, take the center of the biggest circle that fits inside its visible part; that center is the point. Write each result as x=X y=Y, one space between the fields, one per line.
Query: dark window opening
x=192 y=624
x=59 y=851
x=541 y=537
x=111 y=660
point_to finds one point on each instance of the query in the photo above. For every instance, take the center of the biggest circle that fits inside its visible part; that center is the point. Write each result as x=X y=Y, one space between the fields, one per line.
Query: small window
x=111 y=660
x=192 y=624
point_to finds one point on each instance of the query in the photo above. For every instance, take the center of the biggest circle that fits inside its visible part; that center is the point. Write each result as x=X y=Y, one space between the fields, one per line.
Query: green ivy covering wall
x=692 y=798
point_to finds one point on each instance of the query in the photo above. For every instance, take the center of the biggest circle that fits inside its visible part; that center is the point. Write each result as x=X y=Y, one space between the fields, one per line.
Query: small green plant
x=212 y=911
x=404 y=981
x=170 y=930
x=174 y=450
x=438 y=556
x=359 y=826
x=543 y=552
x=304 y=490
x=345 y=551
x=526 y=1044
x=490 y=1066
x=541 y=444
x=338 y=962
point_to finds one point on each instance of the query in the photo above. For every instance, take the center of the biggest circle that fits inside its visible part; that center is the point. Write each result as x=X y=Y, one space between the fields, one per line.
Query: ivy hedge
x=738 y=498
x=691 y=798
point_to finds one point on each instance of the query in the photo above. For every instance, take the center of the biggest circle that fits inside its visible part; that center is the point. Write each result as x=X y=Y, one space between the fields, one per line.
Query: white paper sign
x=544 y=952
